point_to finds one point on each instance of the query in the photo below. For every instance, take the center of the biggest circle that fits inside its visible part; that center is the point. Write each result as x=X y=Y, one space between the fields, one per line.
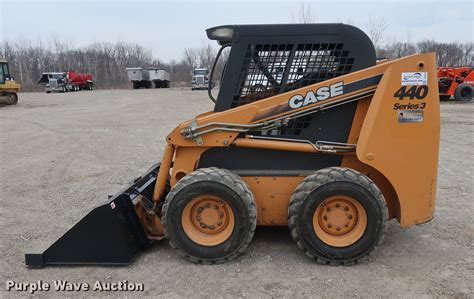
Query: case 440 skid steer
x=307 y=131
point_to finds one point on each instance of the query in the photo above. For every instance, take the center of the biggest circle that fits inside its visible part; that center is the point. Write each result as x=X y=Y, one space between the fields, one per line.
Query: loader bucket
x=110 y=234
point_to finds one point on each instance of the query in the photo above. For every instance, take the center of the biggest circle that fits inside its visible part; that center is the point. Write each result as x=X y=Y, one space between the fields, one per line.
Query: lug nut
x=198 y=218
x=338 y=228
x=219 y=223
x=337 y=205
x=221 y=214
x=346 y=208
x=203 y=225
x=200 y=209
x=212 y=227
x=350 y=216
x=207 y=205
x=325 y=217
x=328 y=209
x=216 y=207
x=329 y=225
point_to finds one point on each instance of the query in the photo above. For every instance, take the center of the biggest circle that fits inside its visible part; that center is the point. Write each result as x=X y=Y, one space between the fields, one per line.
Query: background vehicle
x=147 y=78
x=334 y=150
x=66 y=81
x=455 y=83
x=8 y=87
x=200 y=79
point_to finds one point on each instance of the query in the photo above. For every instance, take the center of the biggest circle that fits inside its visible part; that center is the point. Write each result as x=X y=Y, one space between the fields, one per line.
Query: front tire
x=210 y=215
x=337 y=216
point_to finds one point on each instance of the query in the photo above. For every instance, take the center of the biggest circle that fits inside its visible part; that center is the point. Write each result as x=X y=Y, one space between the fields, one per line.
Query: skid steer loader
x=331 y=144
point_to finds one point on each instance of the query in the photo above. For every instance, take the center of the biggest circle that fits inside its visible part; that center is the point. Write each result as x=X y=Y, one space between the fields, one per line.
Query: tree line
x=448 y=54
x=107 y=61
x=452 y=54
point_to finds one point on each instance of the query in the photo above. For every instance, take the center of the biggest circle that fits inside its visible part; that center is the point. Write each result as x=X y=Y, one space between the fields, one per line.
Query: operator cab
x=266 y=60
x=4 y=72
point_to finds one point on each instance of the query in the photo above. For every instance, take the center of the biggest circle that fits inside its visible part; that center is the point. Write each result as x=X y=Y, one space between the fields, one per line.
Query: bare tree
x=448 y=54
x=191 y=57
x=303 y=15
x=376 y=29
x=206 y=55
x=468 y=56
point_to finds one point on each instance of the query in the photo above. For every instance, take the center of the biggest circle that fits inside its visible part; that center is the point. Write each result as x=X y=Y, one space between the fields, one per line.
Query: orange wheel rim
x=339 y=221
x=208 y=220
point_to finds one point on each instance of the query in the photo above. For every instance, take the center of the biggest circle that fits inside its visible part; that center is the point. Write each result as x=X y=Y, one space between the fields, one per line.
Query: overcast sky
x=168 y=27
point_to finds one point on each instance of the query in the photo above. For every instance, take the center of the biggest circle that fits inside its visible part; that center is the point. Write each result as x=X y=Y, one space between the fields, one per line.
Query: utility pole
x=21 y=73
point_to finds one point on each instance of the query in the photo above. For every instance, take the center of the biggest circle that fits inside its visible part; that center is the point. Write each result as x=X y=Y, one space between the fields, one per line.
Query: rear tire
x=463 y=93
x=337 y=216
x=210 y=215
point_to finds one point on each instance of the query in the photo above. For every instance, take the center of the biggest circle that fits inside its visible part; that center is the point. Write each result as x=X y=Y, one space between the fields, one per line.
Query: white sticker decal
x=410 y=116
x=112 y=205
x=415 y=78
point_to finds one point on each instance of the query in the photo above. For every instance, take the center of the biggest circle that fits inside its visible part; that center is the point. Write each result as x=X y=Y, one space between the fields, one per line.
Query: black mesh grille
x=270 y=69
x=295 y=126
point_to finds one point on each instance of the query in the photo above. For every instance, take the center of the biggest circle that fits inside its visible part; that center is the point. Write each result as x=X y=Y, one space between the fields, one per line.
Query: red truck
x=66 y=81
x=456 y=82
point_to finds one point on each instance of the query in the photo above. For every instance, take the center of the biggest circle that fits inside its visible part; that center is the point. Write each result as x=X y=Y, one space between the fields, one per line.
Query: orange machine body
x=395 y=131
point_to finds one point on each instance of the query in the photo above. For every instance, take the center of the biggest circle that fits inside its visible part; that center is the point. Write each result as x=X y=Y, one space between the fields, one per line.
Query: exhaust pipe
x=111 y=234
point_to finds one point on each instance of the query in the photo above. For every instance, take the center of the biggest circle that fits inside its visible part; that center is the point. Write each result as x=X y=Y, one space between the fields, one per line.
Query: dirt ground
x=62 y=154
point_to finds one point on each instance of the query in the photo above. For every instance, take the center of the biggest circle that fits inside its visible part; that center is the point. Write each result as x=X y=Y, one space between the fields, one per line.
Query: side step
x=110 y=234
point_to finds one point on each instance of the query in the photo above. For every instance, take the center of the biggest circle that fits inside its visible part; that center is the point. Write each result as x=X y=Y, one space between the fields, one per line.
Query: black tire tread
x=318 y=179
x=229 y=179
x=457 y=93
